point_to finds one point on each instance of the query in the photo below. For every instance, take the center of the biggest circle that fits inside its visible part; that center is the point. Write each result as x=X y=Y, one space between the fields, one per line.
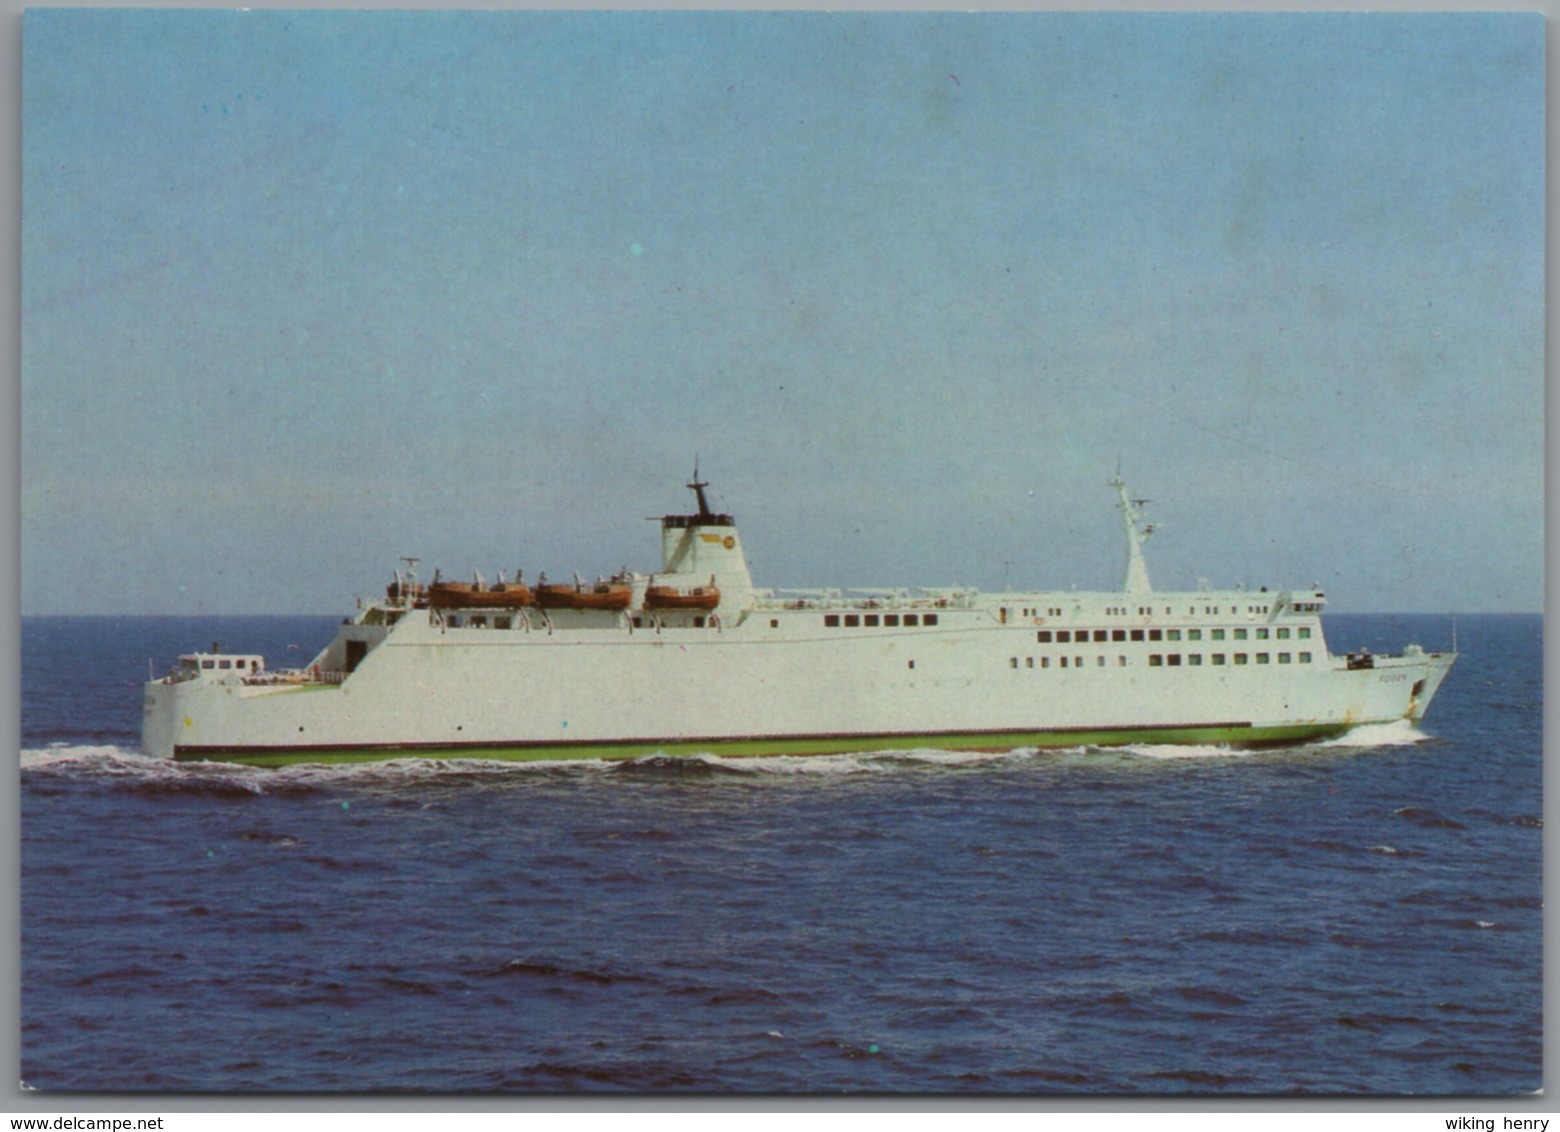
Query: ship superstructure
x=693 y=659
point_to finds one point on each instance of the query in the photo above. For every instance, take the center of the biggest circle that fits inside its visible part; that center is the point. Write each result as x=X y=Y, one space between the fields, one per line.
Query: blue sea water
x=1357 y=917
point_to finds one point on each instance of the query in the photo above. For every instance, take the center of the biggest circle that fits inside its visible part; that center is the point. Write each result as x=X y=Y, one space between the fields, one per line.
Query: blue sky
x=307 y=291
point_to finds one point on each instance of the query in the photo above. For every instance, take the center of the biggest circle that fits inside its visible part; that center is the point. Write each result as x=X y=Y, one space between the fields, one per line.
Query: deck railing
x=296 y=676
x=838 y=599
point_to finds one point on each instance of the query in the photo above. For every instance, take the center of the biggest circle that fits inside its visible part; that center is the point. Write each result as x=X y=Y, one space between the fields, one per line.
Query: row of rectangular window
x=1171 y=660
x=873 y=620
x=1077 y=661
x=1064 y=636
x=1208 y=610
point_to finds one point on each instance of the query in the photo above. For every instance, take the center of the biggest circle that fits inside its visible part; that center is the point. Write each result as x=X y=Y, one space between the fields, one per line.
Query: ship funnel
x=1132 y=512
x=704 y=544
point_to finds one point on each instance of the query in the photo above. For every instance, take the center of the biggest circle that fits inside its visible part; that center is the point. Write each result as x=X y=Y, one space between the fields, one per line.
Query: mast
x=1131 y=512
x=698 y=487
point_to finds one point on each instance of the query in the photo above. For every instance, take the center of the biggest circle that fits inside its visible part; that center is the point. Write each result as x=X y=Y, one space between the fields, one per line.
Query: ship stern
x=160 y=713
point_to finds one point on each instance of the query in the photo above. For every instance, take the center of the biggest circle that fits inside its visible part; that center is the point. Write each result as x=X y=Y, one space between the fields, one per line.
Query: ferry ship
x=694 y=659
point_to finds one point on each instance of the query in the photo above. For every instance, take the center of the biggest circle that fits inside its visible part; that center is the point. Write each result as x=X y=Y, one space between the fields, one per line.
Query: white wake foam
x=84 y=762
x=64 y=754
x=1187 y=751
x=851 y=762
x=1399 y=733
x=100 y=760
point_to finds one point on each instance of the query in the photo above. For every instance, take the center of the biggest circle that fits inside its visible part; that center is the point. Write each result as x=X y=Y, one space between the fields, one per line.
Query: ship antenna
x=698 y=487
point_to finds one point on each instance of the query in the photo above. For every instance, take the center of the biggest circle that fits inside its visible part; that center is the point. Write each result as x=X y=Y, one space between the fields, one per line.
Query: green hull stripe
x=1238 y=734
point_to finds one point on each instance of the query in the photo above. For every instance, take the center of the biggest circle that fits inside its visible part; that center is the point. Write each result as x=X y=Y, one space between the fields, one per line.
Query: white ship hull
x=814 y=675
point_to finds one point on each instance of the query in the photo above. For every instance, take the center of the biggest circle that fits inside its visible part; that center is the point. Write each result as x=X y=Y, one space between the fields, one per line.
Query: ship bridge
x=217 y=667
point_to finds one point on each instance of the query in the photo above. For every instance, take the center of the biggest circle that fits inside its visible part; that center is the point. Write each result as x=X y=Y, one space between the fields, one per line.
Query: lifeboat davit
x=584 y=595
x=682 y=597
x=398 y=590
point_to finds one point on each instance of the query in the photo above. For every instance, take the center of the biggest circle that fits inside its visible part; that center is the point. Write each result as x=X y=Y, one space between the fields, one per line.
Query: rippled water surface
x=1362 y=916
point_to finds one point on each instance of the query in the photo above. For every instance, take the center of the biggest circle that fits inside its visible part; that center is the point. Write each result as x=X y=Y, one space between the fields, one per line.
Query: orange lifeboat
x=584 y=595
x=473 y=595
x=682 y=597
